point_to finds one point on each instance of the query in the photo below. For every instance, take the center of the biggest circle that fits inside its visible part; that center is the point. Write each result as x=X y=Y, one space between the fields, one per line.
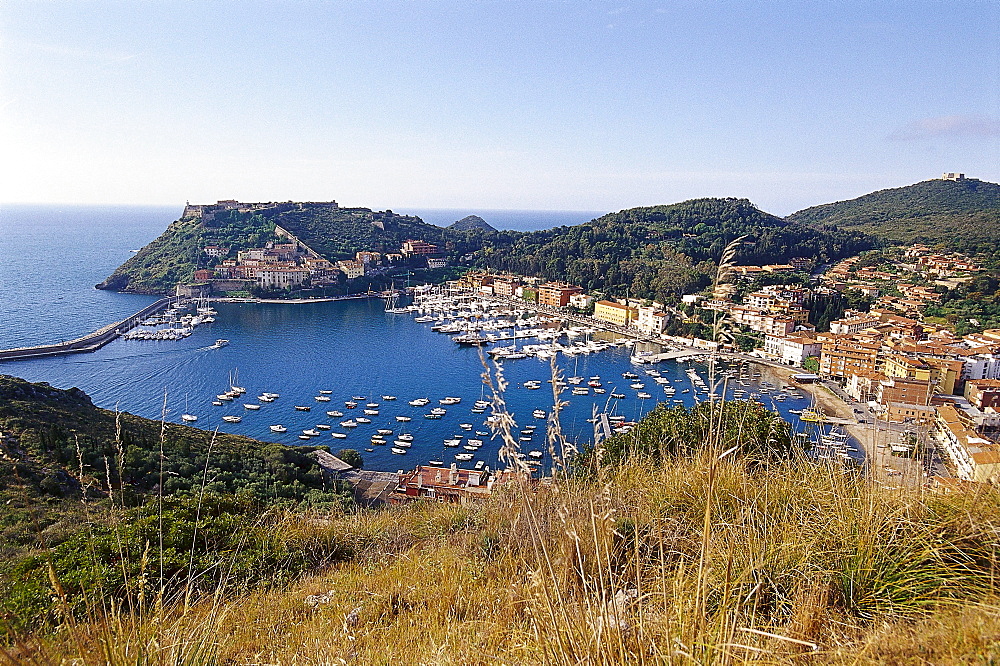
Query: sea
x=52 y=256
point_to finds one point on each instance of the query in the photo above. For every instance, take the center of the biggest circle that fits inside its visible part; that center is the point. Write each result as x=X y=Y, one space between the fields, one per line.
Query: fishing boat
x=252 y=407
x=322 y=398
x=388 y=397
x=350 y=404
x=311 y=432
x=279 y=428
x=398 y=451
x=363 y=419
x=336 y=414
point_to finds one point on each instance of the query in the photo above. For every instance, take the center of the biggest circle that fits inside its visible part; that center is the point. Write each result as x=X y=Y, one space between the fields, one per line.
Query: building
x=983 y=393
x=843 y=356
x=433 y=262
x=581 y=301
x=352 y=269
x=853 y=325
x=556 y=294
x=505 y=286
x=215 y=251
x=366 y=257
x=614 y=313
x=650 y=321
x=974 y=457
x=791 y=349
x=448 y=485
x=412 y=248
x=950 y=175
x=280 y=278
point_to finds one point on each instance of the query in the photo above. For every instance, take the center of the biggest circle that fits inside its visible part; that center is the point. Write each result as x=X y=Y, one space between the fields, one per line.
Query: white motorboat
x=279 y=428
x=349 y=423
x=463 y=456
x=323 y=426
x=398 y=451
x=252 y=407
x=232 y=419
x=333 y=413
x=362 y=419
x=388 y=397
x=339 y=435
x=190 y=418
x=311 y=432
x=406 y=437
x=403 y=419
x=322 y=398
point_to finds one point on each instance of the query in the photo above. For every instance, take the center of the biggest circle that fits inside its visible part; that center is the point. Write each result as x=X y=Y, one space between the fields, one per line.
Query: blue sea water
x=351 y=348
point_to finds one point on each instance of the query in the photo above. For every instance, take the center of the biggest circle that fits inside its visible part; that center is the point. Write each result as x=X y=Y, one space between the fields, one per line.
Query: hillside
x=471 y=223
x=964 y=215
x=663 y=251
x=68 y=467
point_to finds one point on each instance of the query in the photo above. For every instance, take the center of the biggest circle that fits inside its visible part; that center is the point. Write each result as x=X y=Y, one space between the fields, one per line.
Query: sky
x=562 y=105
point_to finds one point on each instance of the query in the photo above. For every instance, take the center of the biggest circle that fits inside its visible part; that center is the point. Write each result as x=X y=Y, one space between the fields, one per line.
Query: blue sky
x=487 y=104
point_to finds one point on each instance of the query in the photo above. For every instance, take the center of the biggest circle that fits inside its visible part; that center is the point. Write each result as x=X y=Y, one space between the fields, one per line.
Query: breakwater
x=90 y=342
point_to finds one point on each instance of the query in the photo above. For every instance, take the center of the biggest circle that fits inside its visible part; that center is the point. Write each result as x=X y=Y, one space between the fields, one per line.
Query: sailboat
x=189 y=418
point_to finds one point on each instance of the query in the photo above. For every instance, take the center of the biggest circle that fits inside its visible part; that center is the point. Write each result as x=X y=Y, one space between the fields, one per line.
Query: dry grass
x=805 y=564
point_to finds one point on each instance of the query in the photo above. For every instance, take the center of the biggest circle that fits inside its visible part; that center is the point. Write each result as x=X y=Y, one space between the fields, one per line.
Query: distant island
x=470 y=223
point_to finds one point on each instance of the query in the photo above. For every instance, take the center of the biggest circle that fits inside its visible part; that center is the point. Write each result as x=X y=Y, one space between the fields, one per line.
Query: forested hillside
x=662 y=251
x=962 y=215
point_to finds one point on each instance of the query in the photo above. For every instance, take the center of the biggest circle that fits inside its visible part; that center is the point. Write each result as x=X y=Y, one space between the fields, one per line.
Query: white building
x=650 y=321
x=280 y=278
x=791 y=349
x=581 y=301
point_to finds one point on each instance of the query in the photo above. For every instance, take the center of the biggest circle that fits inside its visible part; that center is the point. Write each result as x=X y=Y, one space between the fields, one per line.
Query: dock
x=90 y=342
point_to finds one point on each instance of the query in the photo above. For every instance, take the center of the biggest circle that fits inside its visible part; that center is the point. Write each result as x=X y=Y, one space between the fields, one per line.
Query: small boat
x=272 y=396
x=220 y=343
x=525 y=438
x=403 y=419
x=311 y=432
x=225 y=397
x=371 y=412
x=463 y=456
x=339 y=435
x=323 y=426
x=480 y=464
x=304 y=437
x=642 y=395
x=349 y=423
x=372 y=405
x=190 y=418
x=358 y=398
x=303 y=408
x=482 y=433
x=465 y=426
x=405 y=437
x=232 y=419
x=265 y=398
x=436 y=463
x=384 y=431
x=469 y=447
x=378 y=439
x=402 y=444
x=535 y=454
x=600 y=390
x=638 y=386
x=322 y=398
x=388 y=397
x=369 y=450
x=279 y=428
x=398 y=451
x=350 y=404
x=362 y=419
x=452 y=442
x=419 y=402
x=217 y=403
x=324 y=392
x=333 y=413
x=450 y=400
x=252 y=407
x=539 y=414
x=475 y=442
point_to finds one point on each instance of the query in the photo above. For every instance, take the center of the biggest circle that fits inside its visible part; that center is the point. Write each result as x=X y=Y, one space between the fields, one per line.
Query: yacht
x=279 y=428
x=349 y=423
x=323 y=426
x=371 y=412
x=405 y=437
x=419 y=402
x=403 y=419
x=362 y=419
x=311 y=432
x=252 y=407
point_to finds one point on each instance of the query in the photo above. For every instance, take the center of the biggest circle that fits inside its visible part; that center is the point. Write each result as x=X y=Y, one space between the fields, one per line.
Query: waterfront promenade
x=90 y=342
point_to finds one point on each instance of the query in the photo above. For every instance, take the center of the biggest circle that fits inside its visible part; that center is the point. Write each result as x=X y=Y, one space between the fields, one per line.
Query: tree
x=352 y=458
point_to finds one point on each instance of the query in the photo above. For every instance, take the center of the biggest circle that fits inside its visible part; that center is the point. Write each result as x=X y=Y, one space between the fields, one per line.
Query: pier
x=90 y=342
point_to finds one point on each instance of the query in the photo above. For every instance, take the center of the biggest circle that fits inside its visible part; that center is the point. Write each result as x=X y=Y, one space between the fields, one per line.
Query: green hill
x=963 y=215
x=471 y=223
x=649 y=252
x=660 y=251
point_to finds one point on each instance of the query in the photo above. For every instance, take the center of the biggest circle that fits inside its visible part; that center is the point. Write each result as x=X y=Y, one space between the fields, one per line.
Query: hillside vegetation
x=76 y=480
x=653 y=252
x=961 y=215
x=663 y=251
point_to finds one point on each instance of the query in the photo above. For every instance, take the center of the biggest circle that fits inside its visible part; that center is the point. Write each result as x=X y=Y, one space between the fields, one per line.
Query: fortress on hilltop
x=207 y=212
